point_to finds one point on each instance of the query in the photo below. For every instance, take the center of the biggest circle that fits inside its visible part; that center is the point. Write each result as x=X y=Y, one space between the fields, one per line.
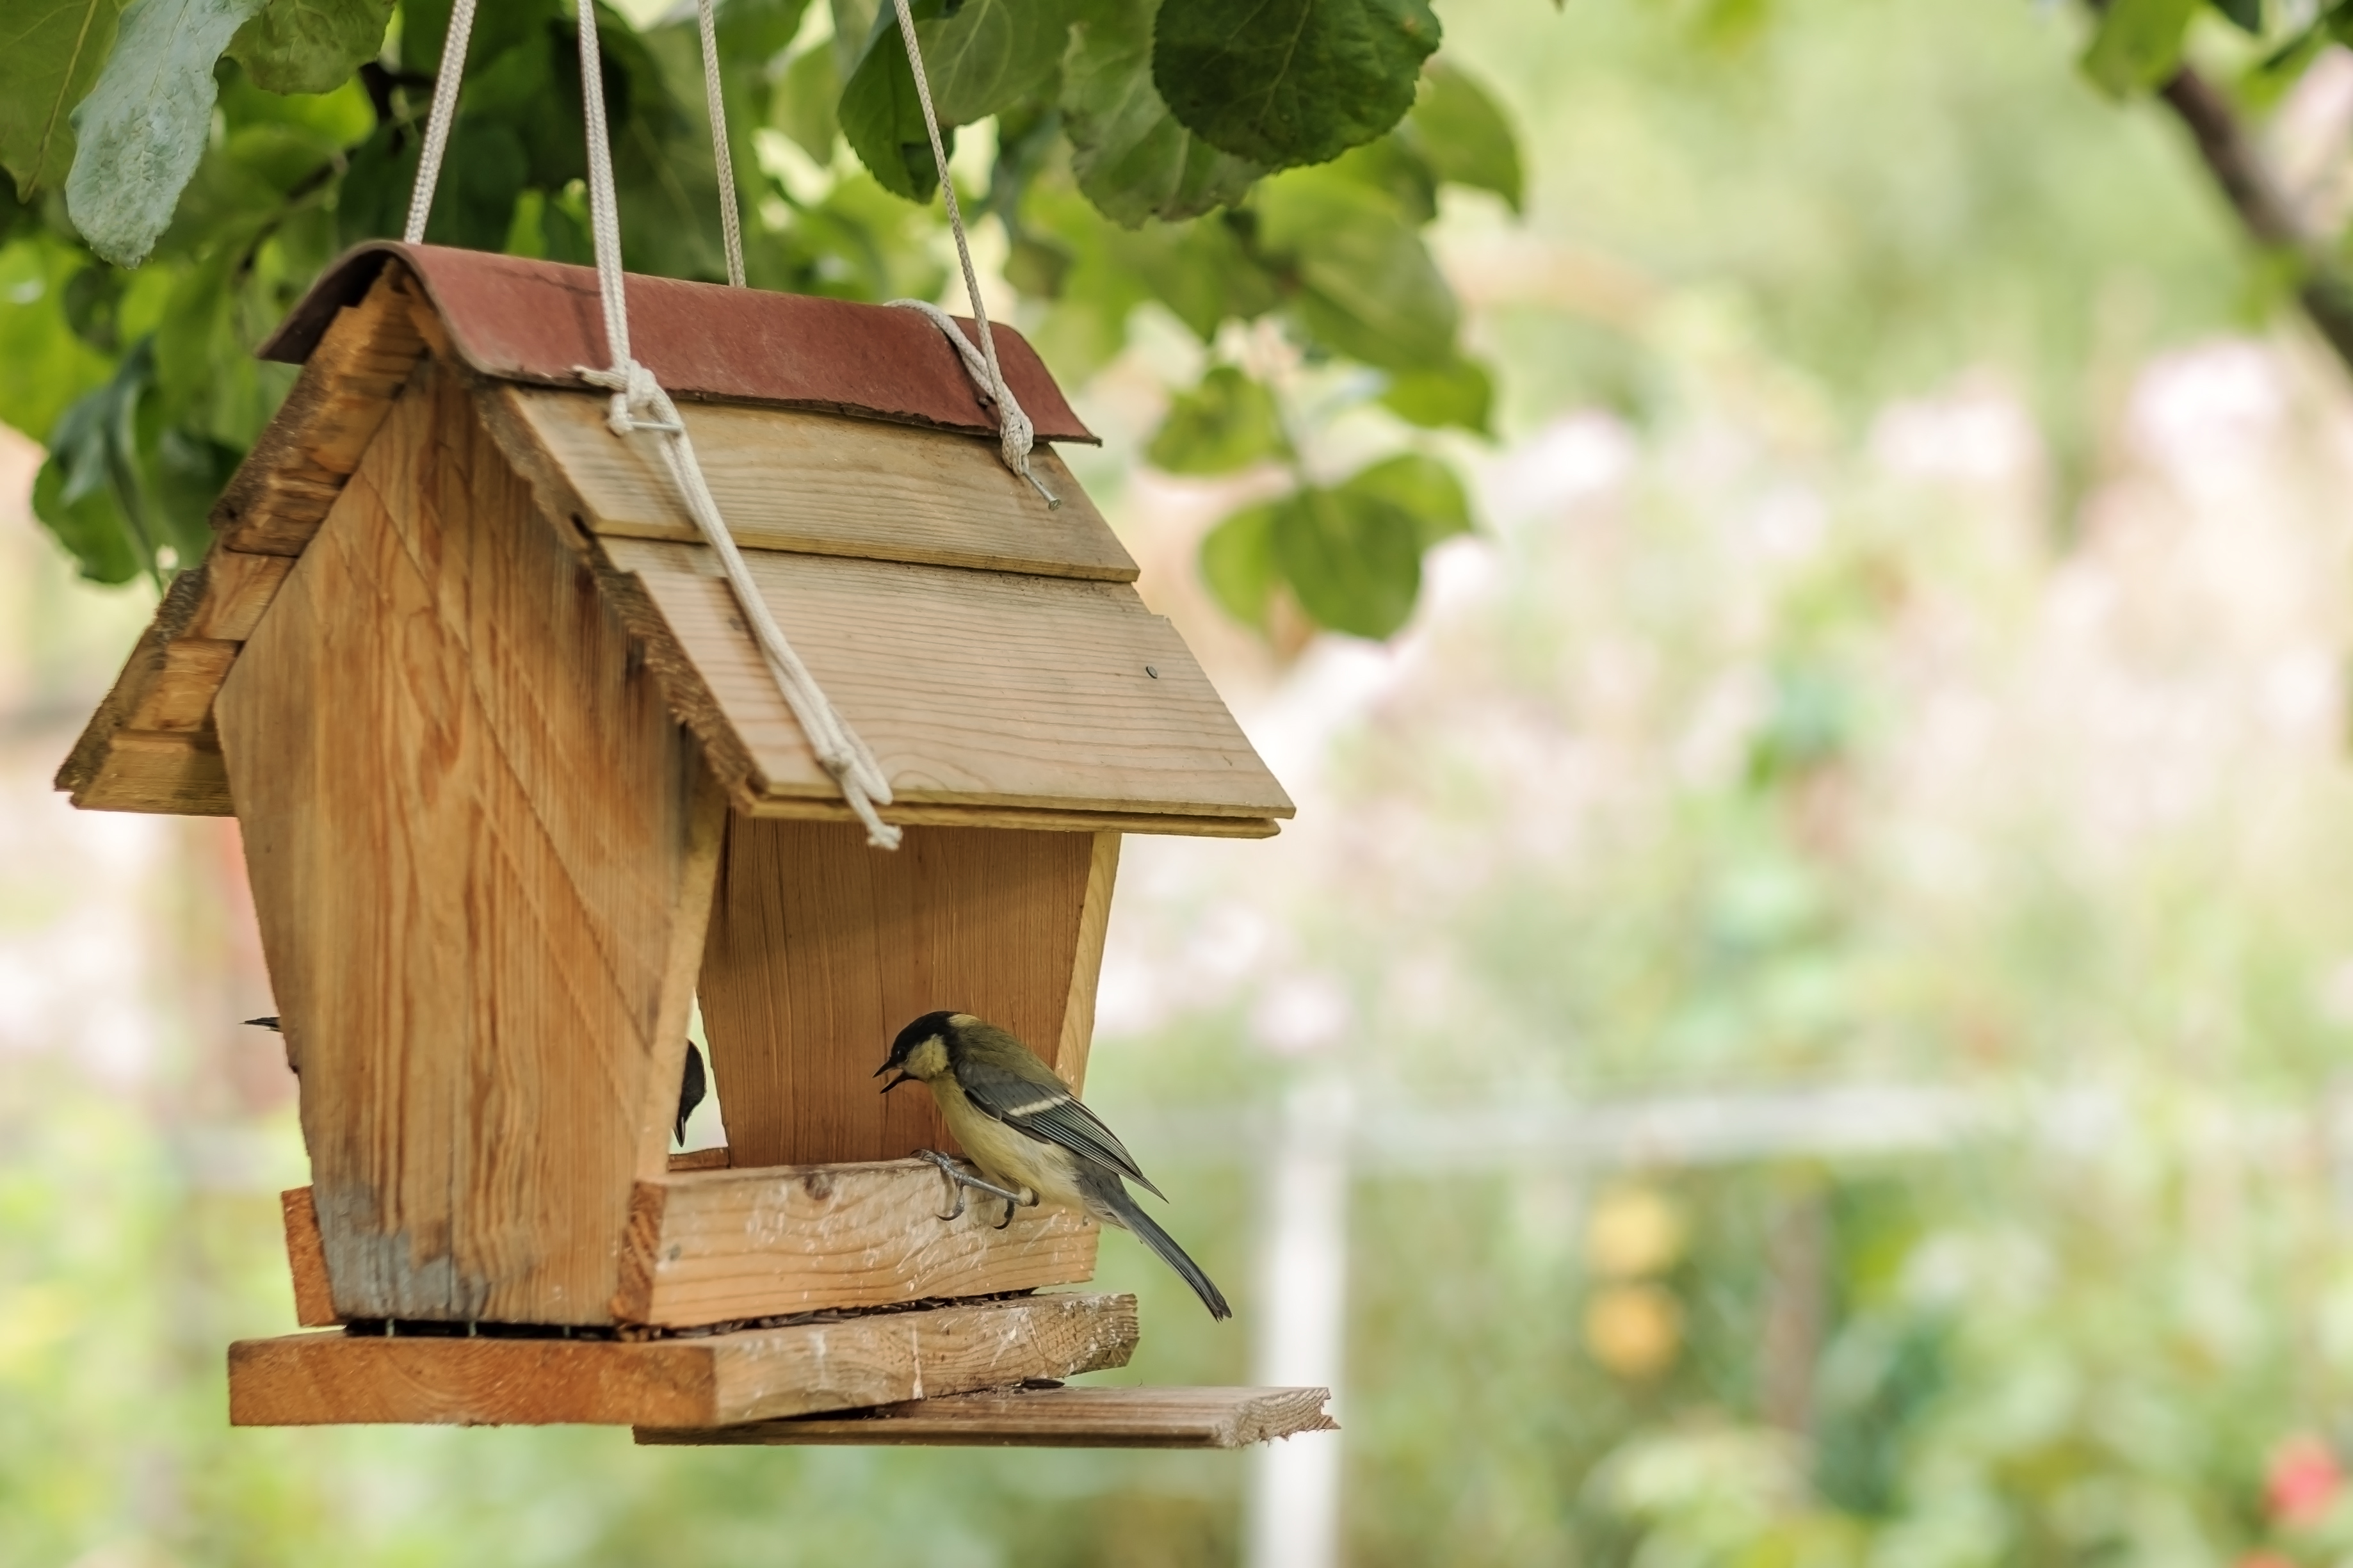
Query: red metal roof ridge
x=514 y=319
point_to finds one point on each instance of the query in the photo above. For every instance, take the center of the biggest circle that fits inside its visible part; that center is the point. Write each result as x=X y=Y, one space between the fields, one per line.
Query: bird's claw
x=958 y=1179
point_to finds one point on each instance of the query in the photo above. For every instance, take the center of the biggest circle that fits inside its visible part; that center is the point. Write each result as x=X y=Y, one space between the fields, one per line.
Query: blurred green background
x=1819 y=963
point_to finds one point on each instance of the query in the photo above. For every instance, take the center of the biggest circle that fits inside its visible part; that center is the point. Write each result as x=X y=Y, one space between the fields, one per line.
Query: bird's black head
x=921 y=1051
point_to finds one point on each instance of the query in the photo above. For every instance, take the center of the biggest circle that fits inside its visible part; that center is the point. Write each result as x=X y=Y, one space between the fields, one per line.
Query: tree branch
x=2265 y=210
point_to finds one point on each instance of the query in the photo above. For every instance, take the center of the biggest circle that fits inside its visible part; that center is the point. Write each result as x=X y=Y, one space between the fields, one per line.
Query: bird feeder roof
x=992 y=654
x=512 y=318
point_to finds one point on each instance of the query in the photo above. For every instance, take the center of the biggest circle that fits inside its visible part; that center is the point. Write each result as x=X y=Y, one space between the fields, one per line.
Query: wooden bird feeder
x=516 y=787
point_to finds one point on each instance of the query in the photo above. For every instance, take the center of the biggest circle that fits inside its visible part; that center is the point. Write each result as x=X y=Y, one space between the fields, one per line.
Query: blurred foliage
x=182 y=169
x=1755 y=763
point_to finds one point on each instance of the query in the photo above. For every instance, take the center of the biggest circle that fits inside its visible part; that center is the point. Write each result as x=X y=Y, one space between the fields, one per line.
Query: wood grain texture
x=1077 y=1034
x=306 y=1259
x=283 y=490
x=827 y=485
x=971 y=687
x=1079 y=1417
x=306 y=1379
x=237 y=590
x=810 y=808
x=151 y=746
x=474 y=834
x=174 y=775
x=728 y=1245
x=821 y=949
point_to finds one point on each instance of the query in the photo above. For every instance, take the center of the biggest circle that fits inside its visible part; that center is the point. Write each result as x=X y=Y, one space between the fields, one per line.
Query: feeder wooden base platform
x=716 y=1380
x=1049 y=1418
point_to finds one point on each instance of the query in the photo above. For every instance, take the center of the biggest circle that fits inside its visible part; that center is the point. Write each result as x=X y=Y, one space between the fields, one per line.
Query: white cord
x=1016 y=435
x=436 y=123
x=730 y=222
x=839 y=748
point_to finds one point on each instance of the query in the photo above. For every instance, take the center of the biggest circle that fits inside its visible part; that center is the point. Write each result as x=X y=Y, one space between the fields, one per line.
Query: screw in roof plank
x=1152 y=672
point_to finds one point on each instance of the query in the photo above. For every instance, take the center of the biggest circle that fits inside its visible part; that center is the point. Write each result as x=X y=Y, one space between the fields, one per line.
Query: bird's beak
x=902 y=1078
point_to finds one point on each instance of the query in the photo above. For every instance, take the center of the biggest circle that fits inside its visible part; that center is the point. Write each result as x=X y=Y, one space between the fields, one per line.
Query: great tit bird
x=1028 y=1133
x=690 y=1090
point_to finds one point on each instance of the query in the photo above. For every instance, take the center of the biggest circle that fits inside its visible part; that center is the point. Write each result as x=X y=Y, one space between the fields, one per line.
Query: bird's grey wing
x=1050 y=1113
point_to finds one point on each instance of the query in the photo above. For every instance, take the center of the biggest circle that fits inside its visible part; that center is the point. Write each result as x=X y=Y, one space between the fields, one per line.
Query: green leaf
x=988 y=54
x=50 y=51
x=1132 y=157
x=85 y=520
x=1422 y=487
x=1458 y=393
x=1228 y=422
x=1201 y=270
x=309 y=46
x=1368 y=286
x=142 y=128
x=882 y=116
x=1291 y=81
x=2247 y=16
x=1353 y=559
x=758 y=31
x=1238 y=566
x=48 y=363
x=2138 y=44
x=1463 y=135
x=803 y=108
x=89 y=493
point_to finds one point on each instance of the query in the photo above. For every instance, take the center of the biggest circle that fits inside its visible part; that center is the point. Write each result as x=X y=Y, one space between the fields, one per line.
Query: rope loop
x=1014 y=433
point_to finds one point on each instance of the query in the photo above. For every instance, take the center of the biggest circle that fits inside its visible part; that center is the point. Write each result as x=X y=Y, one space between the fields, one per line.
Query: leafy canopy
x=181 y=170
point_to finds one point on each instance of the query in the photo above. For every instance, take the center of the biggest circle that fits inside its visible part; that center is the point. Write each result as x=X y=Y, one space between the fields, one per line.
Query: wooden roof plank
x=978 y=689
x=826 y=485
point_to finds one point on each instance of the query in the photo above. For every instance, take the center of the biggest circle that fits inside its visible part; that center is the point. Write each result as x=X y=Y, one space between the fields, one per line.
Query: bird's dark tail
x=1113 y=1204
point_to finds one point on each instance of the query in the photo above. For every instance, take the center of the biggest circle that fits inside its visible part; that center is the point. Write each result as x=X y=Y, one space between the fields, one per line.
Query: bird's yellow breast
x=1006 y=1154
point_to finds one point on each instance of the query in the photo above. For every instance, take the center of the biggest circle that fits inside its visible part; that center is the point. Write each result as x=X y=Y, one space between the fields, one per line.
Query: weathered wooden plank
x=475 y=835
x=283 y=490
x=829 y=486
x=821 y=949
x=176 y=774
x=728 y=1245
x=813 y=808
x=305 y=1380
x=699 y=1160
x=978 y=688
x=1077 y=1418
x=237 y=590
x=179 y=699
x=306 y=1259
x=1077 y=1034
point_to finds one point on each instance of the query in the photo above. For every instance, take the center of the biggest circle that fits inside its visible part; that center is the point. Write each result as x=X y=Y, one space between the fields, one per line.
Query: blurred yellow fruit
x=1634 y=1231
x=1633 y=1329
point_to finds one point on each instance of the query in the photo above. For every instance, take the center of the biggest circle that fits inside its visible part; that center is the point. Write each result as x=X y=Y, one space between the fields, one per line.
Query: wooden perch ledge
x=1050 y=1419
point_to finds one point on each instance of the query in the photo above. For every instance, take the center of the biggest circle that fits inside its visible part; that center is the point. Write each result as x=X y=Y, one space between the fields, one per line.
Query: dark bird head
x=923 y=1048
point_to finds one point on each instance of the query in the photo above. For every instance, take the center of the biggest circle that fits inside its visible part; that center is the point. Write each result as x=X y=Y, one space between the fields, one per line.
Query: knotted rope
x=640 y=404
x=1015 y=434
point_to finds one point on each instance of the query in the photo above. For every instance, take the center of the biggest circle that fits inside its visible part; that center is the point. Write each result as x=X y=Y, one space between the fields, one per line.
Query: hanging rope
x=436 y=123
x=1015 y=434
x=839 y=748
x=638 y=402
x=730 y=222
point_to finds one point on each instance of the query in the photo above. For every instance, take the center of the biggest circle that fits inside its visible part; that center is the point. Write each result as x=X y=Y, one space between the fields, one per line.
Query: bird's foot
x=1028 y=1200
x=958 y=1179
